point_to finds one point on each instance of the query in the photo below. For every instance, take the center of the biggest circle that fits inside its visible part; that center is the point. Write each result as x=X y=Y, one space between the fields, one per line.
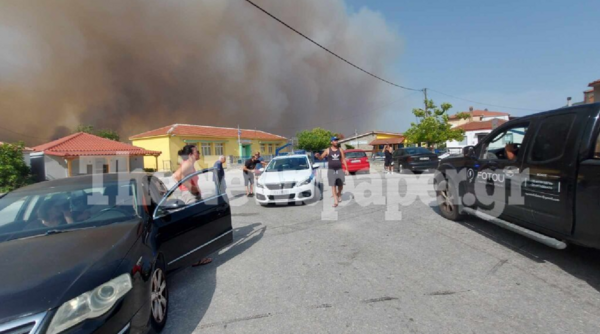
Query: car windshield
x=28 y=213
x=416 y=150
x=286 y=164
x=355 y=155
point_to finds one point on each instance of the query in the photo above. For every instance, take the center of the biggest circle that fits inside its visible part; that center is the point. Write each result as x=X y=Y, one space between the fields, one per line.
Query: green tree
x=108 y=134
x=14 y=173
x=104 y=133
x=314 y=140
x=349 y=147
x=433 y=127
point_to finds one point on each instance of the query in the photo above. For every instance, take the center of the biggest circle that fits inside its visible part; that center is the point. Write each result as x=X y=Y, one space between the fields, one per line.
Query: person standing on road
x=335 y=158
x=388 y=152
x=249 y=167
x=219 y=175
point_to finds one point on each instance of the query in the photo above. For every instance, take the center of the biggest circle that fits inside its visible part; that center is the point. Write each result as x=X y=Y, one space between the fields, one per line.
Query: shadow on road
x=581 y=262
x=192 y=289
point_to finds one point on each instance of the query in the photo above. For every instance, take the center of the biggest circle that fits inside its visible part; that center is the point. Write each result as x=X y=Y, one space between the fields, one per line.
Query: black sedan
x=90 y=254
x=415 y=159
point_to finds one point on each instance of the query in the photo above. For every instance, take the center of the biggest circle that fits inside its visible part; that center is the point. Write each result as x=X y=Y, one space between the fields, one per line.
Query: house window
x=89 y=169
x=105 y=169
x=271 y=148
x=262 y=148
x=219 y=149
x=206 y=149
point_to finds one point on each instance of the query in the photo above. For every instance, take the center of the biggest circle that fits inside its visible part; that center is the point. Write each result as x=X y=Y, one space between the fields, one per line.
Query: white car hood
x=287 y=176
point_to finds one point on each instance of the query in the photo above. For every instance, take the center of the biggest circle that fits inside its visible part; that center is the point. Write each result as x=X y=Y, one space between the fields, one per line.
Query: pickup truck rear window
x=549 y=143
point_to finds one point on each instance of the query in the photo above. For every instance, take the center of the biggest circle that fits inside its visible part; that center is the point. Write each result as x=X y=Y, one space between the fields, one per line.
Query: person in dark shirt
x=388 y=152
x=249 y=167
x=336 y=174
x=219 y=175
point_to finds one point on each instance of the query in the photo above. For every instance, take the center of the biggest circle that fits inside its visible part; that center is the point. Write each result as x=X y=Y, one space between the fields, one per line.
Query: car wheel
x=448 y=201
x=159 y=297
x=352 y=173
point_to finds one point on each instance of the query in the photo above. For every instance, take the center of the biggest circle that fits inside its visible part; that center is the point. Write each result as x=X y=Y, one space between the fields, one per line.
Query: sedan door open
x=191 y=227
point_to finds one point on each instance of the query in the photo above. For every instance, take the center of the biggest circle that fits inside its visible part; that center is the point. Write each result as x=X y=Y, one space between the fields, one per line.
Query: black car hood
x=43 y=272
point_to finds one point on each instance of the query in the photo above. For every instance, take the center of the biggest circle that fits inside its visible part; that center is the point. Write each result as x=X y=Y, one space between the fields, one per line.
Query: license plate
x=279 y=192
x=355 y=161
x=426 y=158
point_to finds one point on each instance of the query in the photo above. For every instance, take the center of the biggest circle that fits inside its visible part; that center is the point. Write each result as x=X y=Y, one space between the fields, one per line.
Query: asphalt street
x=290 y=270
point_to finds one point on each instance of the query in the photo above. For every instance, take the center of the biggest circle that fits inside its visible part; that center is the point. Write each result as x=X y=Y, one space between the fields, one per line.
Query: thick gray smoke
x=136 y=65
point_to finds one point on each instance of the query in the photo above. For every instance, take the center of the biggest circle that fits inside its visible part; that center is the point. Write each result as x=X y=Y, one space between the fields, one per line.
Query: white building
x=83 y=153
x=474 y=132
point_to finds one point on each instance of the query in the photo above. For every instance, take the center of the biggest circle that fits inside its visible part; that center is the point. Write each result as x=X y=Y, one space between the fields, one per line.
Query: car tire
x=448 y=200
x=352 y=173
x=159 y=297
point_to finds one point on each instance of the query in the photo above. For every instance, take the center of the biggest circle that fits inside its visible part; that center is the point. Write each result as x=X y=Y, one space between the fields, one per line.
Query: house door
x=247 y=151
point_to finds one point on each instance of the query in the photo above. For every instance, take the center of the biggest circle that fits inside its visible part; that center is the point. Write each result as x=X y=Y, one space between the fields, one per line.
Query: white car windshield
x=287 y=164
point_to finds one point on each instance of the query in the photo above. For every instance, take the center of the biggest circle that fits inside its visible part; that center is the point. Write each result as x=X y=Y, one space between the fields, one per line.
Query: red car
x=357 y=161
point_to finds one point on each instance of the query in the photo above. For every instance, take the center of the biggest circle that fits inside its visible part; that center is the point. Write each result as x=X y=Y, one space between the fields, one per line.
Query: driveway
x=290 y=271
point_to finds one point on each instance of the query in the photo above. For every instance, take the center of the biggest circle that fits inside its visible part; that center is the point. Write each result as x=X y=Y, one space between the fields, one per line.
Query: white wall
x=136 y=163
x=56 y=167
x=470 y=139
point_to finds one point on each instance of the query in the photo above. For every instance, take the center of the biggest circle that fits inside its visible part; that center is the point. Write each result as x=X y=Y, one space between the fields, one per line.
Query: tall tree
x=14 y=173
x=314 y=140
x=433 y=127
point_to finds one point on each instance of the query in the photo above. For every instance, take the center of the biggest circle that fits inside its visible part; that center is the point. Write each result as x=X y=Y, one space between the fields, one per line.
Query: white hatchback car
x=290 y=178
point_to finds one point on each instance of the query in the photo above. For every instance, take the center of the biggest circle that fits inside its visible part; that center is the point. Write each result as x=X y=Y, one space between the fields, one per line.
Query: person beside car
x=335 y=158
x=189 y=191
x=219 y=175
x=248 y=171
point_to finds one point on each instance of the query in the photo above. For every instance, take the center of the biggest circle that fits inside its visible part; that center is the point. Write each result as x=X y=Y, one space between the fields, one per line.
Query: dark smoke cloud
x=140 y=64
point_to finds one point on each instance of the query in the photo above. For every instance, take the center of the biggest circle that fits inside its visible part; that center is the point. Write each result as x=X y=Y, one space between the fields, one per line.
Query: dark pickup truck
x=537 y=175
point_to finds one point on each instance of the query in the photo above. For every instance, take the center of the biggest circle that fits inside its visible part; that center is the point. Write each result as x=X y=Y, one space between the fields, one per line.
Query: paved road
x=289 y=271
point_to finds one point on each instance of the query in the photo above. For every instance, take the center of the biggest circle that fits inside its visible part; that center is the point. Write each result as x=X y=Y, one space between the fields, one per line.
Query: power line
x=487 y=104
x=20 y=134
x=326 y=49
x=424 y=90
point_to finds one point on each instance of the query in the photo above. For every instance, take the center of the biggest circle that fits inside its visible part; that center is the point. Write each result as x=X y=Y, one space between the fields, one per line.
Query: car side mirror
x=468 y=151
x=172 y=204
x=315 y=166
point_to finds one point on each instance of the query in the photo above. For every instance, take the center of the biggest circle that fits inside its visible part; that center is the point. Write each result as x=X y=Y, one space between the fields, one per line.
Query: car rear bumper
x=300 y=193
x=357 y=167
x=422 y=166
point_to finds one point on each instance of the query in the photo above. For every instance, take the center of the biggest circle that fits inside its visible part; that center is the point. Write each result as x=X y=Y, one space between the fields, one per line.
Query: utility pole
x=425 y=92
x=356 y=137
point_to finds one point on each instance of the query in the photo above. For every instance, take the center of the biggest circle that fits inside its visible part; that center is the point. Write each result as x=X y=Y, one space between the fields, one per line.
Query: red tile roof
x=482 y=113
x=595 y=83
x=485 y=125
x=85 y=144
x=206 y=131
x=25 y=149
x=384 y=141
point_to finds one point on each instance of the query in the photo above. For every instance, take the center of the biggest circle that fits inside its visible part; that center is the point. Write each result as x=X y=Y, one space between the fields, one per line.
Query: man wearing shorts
x=336 y=176
x=249 y=167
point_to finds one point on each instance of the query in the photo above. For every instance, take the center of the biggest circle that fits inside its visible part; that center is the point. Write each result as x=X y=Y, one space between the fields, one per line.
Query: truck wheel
x=448 y=200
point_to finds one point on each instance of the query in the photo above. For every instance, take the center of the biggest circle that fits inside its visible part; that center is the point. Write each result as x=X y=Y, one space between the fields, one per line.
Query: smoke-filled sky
x=135 y=65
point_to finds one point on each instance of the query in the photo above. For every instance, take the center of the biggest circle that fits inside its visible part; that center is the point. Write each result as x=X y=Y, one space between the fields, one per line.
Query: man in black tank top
x=336 y=176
